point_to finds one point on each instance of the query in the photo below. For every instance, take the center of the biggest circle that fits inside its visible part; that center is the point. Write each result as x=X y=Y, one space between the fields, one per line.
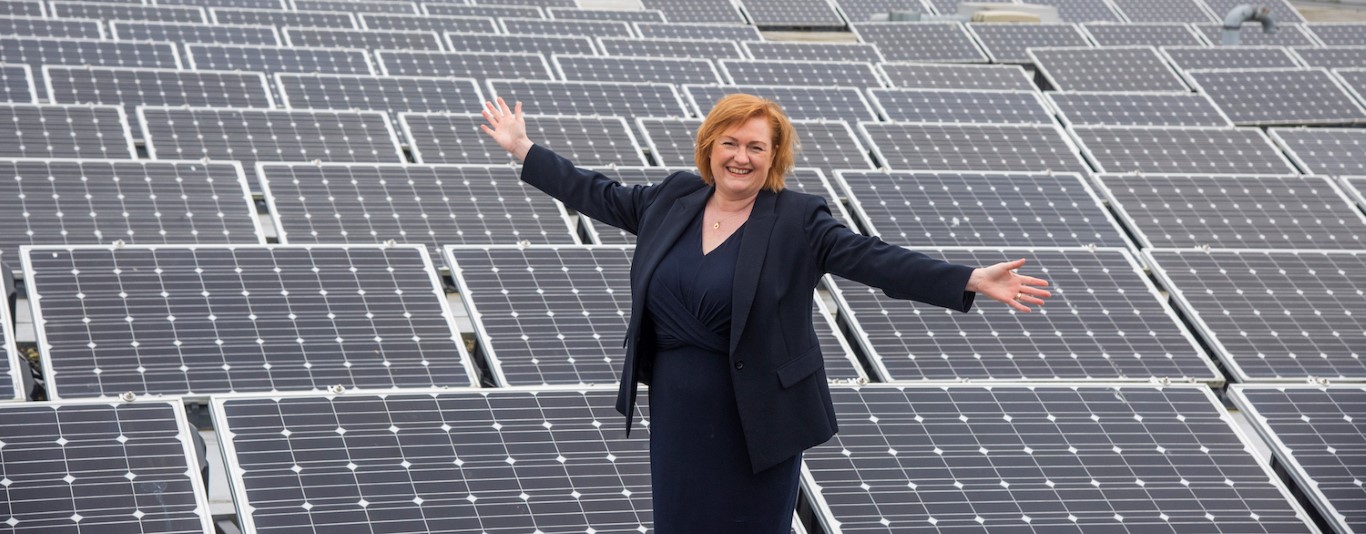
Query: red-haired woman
x=725 y=266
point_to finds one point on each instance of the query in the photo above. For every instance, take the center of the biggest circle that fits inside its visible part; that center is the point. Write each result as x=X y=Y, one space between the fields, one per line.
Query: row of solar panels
x=987 y=458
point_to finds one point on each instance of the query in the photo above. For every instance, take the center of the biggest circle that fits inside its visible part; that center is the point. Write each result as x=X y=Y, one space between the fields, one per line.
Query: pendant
x=716 y=225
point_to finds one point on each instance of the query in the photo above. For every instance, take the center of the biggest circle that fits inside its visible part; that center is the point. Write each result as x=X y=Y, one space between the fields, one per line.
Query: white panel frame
x=8 y=348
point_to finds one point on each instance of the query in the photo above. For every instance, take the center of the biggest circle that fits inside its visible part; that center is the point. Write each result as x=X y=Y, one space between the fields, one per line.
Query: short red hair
x=736 y=109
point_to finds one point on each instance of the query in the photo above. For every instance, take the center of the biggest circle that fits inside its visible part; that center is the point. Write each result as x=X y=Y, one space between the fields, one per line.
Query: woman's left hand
x=1002 y=283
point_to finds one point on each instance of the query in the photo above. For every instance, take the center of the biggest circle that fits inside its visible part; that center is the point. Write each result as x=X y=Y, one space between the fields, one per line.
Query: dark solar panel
x=26 y=8
x=1300 y=96
x=1107 y=69
x=41 y=27
x=864 y=10
x=799 y=51
x=580 y=28
x=390 y=94
x=928 y=76
x=689 y=48
x=363 y=39
x=734 y=31
x=64 y=131
x=36 y=52
x=782 y=14
x=16 y=84
x=491 y=461
x=1189 y=150
x=108 y=467
x=635 y=69
x=1143 y=34
x=157 y=87
x=942 y=105
x=430 y=205
x=428 y=23
x=1009 y=43
x=1065 y=458
x=1328 y=151
x=252 y=135
x=1137 y=109
x=1282 y=315
x=1245 y=57
x=585 y=140
x=272 y=59
x=972 y=147
x=590 y=98
x=241 y=318
x=1284 y=13
x=1082 y=10
x=1333 y=57
x=624 y=15
x=697 y=12
x=1338 y=34
x=476 y=65
x=461 y=10
x=825 y=144
x=833 y=103
x=1252 y=35
x=547 y=315
x=1232 y=211
x=1164 y=11
x=535 y=44
x=280 y=19
x=197 y=33
x=806 y=73
x=93 y=201
x=925 y=208
x=353 y=6
x=921 y=41
x=1316 y=433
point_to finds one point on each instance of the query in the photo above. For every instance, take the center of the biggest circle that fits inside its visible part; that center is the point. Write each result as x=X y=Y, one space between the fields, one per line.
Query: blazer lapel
x=753 y=249
x=651 y=253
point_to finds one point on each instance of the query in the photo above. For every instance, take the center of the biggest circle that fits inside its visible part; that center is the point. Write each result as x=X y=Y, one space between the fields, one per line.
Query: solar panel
x=825 y=144
x=1333 y=57
x=1272 y=315
x=697 y=12
x=1082 y=10
x=1189 y=150
x=362 y=39
x=12 y=368
x=1356 y=187
x=156 y=87
x=36 y=52
x=804 y=51
x=41 y=27
x=272 y=59
x=929 y=76
x=1284 y=13
x=244 y=4
x=635 y=69
x=590 y=98
x=111 y=467
x=1252 y=35
x=1301 y=96
x=940 y=105
x=980 y=209
x=1143 y=34
x=252 y=135
x=686 y=48
x=794 y=72
x=1163 y=10
x=1078 y=458
x=921 y=41
x=972 y=147
x=581 y=28
x=461 y=10
x=533 y=44
x=1243 y=57
x=1136 y=109
x=390 y=94
x=241 y=318
x=1106 y=69
x=833 y=103
x=675 y=30
x=354 y=6
x=428 y=23
x=537 y=3
x=1009 y=43
x=64 y=131
x=864 y=10
x=94 y=201
x=475 y=461
x=16 y=84
x=25 y=8
x=786 y=14
x=427 y=205
x=477 y=65
x=1240 y=211
x=1338 y=34
x=585 y=140
x=280 y=19
x=624 y=15
x=1315 y=432
x=114 y=11
x=196 y=33
x=1328 y=151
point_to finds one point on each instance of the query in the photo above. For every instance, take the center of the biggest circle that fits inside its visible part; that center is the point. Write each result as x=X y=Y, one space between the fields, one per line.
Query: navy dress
x=700 y=470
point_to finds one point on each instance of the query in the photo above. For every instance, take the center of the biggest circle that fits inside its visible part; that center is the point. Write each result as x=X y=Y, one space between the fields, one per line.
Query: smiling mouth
x=741 y=172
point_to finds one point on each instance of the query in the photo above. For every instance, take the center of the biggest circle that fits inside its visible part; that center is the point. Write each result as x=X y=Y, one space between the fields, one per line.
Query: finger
x=1018 y=306
x=503 y=106
x=1027 y=299
x=486 y=129
x=1012 y=265
x=1030 y=280
x=518 y=112
x=490 y=108
x=1035 y=292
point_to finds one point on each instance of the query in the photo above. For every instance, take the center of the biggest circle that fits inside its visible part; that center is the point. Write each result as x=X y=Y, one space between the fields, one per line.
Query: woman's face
x=740 y=159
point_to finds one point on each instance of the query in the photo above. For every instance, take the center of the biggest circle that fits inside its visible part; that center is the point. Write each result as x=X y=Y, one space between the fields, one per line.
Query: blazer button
x=739 y=365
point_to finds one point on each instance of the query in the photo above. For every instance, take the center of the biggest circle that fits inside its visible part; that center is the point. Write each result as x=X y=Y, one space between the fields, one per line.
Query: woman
x=722 y=281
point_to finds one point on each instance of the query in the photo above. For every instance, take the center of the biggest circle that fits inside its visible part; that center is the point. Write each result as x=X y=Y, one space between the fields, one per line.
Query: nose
x=742 y=155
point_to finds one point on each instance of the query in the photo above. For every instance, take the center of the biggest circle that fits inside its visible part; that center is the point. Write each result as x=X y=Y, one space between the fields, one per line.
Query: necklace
x=717 y=224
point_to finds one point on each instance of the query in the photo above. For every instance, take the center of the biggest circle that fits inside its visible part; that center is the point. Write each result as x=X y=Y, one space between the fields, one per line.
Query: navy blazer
x=790 y=241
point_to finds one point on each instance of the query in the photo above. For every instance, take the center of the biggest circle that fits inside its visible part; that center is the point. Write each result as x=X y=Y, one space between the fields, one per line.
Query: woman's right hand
x=507 y=127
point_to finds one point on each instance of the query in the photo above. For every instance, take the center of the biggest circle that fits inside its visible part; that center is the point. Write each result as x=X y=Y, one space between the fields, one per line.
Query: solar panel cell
x=929 y=76
x=64 y=131
x=972 y=147
x=476 y=65
x=16 y=84
x=1137 y=109
x=25 y=8
x=585 y=140
x=1107 y=69
x=921 y=41
x=960 y=106
x=635 y=69
x=196 y=33
x=1188 y=150
x=41 y=27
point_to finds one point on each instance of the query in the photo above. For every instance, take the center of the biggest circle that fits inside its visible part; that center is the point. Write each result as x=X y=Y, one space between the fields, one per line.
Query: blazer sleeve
x=899 y=272
x=587 y=192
